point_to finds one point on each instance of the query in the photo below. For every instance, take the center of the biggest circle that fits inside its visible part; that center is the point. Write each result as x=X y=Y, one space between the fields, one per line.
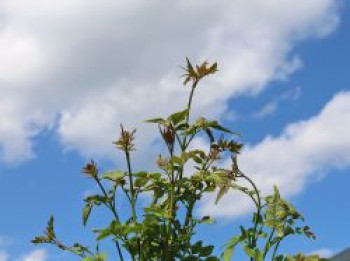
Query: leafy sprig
x=165 y=228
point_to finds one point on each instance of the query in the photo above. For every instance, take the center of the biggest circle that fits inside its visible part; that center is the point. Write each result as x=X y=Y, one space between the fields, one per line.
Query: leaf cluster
x=164 y=229
x=274 y=220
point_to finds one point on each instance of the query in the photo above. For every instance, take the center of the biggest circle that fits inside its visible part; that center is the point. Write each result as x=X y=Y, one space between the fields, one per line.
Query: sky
x=71 y=71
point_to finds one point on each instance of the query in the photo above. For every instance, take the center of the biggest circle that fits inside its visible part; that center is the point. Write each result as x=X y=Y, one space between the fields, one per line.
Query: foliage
x=164 y=229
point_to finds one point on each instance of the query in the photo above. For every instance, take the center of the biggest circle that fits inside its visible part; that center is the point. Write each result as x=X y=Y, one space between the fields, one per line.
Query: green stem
x=275 y=250
x=194 y=85
x=267 y=246
x=189 y=213
x=179 y=141
x=189 y=104
x=131 y=184
x=111 y=206
x=254 y=239
x=133 y=196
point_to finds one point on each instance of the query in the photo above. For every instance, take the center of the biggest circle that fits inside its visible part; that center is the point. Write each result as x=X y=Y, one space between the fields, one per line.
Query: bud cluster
x=126 y=140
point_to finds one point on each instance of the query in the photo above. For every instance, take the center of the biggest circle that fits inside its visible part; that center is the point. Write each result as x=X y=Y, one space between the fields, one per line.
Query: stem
x=258 y=213
x=132 y=190
x=189 y=213
x=189 y=104
x=189 y=141
x=194 y=85
x=69 y=249
x=179 y=141
x=275 y=250
x=267 y=247
x=183 y=145
x=119 y=251
x=172 y=208
x=111 y=206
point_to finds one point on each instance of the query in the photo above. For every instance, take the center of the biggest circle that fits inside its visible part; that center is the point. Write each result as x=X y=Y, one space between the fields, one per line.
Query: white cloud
x=3 y=256
x=267 y=110
x=323 y=252
x=304 y=151
x=84 y=65
x=292 y=94
x=36 y=255
x=271 y=107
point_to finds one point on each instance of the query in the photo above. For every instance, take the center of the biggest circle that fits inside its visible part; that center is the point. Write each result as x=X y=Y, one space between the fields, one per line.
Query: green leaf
x=140 y=174
x=101 y=257
x=157 y=120
x=249 y=251
x=212 y=258
x=206 y=251
x=259 y=256
x=114 y=175
x=177 y=117
x=98 y=257
x=274 y=212
x=230 y=247
x=78 y=249
x=217 y=126
x=196 y=248
x=96 y=199
x=228 y=253
x=207 y=220
x=222 y=191
x=50 y=232
x=88 y=258
x=103 y=233
x=39 y=240
x=140 y=182
x=86 y=212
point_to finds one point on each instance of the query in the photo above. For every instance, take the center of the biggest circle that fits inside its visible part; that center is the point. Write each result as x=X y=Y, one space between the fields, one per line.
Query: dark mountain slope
x=342 y=256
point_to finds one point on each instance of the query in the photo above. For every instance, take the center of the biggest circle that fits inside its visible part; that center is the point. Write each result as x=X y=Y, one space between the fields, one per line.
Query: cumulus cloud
x=304 y=151
x=83 y=66
x=36 y=255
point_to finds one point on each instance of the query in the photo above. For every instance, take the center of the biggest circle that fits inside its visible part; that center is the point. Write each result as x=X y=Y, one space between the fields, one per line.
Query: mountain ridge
x=342 y=256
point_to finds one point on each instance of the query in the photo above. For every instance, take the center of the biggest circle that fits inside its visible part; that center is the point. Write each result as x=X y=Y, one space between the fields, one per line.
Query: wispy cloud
x=267 y=110
x=271 y=107
x=323 y=252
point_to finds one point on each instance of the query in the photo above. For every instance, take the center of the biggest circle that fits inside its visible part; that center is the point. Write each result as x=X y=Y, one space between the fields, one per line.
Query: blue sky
x=67 y=80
